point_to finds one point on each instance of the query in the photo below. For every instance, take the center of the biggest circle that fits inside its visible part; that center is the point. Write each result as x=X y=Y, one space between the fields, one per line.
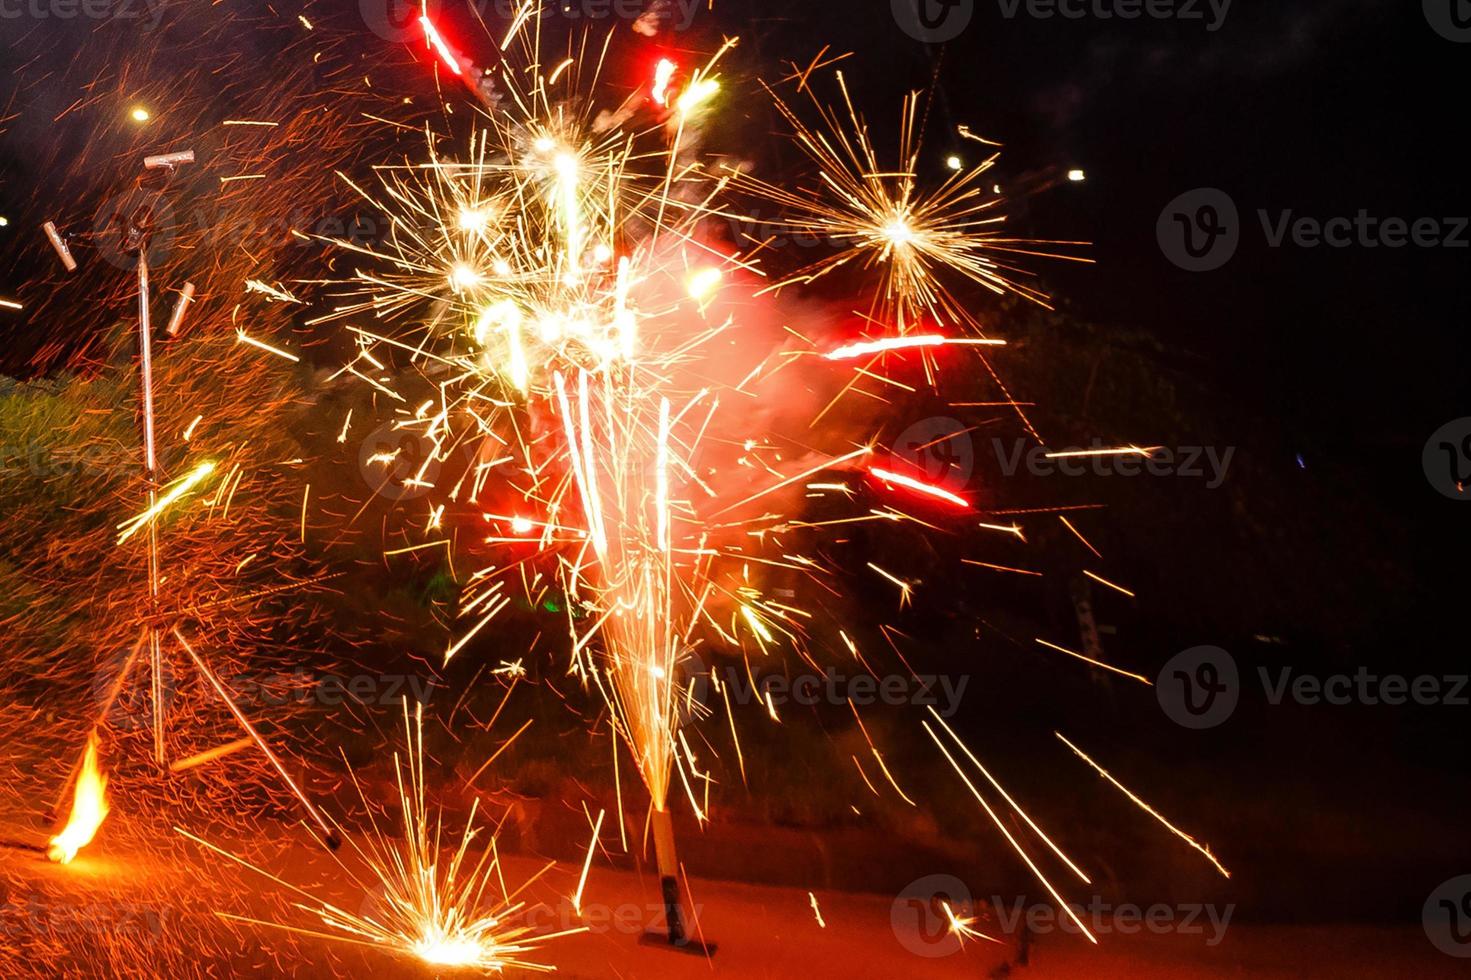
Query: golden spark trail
x=1146 y=807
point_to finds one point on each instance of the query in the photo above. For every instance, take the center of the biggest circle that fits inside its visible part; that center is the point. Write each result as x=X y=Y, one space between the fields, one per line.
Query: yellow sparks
x=1147 y=808
x=1103 y=581
x=171 y=493
x=1097 y=663
x=242 y=337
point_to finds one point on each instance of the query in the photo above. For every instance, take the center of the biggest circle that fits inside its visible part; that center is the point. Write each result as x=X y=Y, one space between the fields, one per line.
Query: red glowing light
x=436 y=41
x=919 y=486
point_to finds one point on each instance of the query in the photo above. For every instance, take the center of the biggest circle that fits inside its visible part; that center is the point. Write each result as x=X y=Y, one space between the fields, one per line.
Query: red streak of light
x=850 y=351
x=432 y=35
x=918 y=486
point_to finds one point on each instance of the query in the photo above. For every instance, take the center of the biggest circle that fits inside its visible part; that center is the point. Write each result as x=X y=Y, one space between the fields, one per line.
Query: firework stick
x=150 y=466
x=59 y=244
x=333 y=841
x=181 y=306
x=169 y=160
x=661 y=823
x=210 y=755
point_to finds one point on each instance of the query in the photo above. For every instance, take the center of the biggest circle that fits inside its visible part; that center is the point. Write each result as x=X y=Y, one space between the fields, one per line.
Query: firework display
x=546 y=404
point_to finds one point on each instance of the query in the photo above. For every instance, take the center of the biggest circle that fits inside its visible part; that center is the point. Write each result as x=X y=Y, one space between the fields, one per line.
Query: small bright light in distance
x=953 y=162
x=140 y=114
x=1076 y=176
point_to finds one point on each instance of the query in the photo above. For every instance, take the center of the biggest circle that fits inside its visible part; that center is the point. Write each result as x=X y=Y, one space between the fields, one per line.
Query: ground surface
x=139 y=905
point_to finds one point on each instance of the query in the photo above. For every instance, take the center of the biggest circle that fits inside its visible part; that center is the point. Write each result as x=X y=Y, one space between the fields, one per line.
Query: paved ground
x=143 y=903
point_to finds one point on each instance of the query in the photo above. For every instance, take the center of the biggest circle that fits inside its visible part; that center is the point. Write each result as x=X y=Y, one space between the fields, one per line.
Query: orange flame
x=89 y=808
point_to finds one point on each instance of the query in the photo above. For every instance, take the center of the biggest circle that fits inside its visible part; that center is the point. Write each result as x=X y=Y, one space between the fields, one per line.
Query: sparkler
x=451 y=913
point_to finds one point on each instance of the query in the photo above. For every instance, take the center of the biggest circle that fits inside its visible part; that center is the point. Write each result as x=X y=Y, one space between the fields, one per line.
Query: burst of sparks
x=446 y=910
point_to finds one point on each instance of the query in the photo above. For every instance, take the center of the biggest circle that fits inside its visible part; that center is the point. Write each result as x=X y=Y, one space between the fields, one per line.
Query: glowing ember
x=89 y=808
